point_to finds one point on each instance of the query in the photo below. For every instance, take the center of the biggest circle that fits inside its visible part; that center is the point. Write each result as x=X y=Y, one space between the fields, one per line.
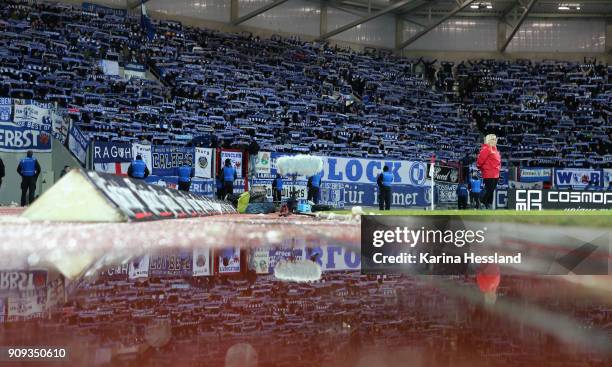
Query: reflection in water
x=225 y=307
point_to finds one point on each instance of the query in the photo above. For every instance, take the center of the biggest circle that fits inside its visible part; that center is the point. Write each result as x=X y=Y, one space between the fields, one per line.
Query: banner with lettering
x=235 y=157
x=145 y=151
x=167 y=159
x=78 y=144
x=578 y=178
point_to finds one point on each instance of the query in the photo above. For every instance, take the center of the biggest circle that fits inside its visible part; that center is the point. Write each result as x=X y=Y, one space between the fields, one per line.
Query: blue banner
x=6 y=109
x=536 y=174
x=200 y=186
x=167 y=159
x=578 y=178
x=78 y=143
x=177 y=263
x=18 y=139
x=112 y=152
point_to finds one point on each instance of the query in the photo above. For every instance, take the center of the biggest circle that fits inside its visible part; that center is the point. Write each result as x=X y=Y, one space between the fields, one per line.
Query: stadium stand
x=299 y=97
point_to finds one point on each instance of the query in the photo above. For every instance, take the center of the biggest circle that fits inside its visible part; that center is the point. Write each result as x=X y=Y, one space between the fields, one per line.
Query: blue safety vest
x=476 y=184
x=184 y=173
x=316 y=180
x=462 y=191
x=387 y=179
x=28 y=167
x=279 y=183
x=228 y=174
x=138 y=168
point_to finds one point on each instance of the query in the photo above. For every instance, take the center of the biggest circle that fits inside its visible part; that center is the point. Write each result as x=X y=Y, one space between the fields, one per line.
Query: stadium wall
x=52 y=163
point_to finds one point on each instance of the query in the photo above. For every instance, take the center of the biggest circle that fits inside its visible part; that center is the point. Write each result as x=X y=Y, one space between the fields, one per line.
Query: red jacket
x=489 y=161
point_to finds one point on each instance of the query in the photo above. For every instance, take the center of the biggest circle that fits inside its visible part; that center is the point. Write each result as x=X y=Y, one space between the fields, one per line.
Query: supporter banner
x=578 y=177
x=145 y=152
x=17 y=281
x=77 y=144
x=525 y=199
x=32 y=115
x=229 y=260
x=60 y=126
x=203 y=162
x=112 y=152
x=444 y=174
x=366 y=171
x=341 y=194
x=115 y=272
x=6 y=109
x=120 y=169
x=199 y=186
x=167 y=159
x=14 y=138
x=535 y=174
x=235 y=157
x=24 y=307
x=95 y=8
x=201 y=262
x=139 y=267
x=140 y=201
x=134 y=71
x=109 y=67
x=174 y=263
x=263 y=164
x=334 y=258
x=260 y=260
x=286 y=253
x=447 y=193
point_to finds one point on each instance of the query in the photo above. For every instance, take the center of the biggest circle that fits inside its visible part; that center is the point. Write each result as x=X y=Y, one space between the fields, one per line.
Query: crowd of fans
x=219 y=89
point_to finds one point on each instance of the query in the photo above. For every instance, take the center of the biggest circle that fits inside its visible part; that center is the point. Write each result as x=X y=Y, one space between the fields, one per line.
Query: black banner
x=534 y=199
x=444 y=174
x=140 y=201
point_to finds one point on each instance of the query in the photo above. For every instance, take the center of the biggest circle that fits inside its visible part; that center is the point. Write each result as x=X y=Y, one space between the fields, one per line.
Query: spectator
x=462 y=196
x=314 y=186
x=228 y=175
x=65 y=170
x=384 y=181
x=475 y=190
x=185 y=173
x=138 y=169
x=489 y=163
x=277 y=189
x=28 y=169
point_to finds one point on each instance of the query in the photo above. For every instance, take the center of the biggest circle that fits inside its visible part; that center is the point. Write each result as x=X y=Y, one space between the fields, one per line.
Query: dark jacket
x=253 y=148
x=1 y=169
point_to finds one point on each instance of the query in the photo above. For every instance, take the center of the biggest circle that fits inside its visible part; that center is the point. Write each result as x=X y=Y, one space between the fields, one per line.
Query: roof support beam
x=256 y=12
x=518 y=25
x=367 y=18
x=508 y=9
x=435 y=24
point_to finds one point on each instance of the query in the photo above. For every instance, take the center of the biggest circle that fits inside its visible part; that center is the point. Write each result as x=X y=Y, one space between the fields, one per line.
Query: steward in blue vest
x=138 y=169
x=475 y=190
x=185 y=173
x=314 y=186
x=384 y=181
x=28 y=169
x=228 y=175
x=277 y=189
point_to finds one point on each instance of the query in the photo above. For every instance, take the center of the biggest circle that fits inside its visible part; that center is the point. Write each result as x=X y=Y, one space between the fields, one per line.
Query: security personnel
x=462 y=196
x=185 y=173
x=228 y=174
x=138 y=169
x=475 y=190
x=277 y=188
x=384 y=181
x=314 y=186
x=28 y=169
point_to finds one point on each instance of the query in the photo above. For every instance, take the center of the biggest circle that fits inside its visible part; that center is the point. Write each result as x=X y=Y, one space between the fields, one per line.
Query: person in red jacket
x=489 y=164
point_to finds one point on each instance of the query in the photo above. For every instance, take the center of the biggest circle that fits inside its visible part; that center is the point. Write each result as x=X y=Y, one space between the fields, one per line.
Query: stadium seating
x=221 y=89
